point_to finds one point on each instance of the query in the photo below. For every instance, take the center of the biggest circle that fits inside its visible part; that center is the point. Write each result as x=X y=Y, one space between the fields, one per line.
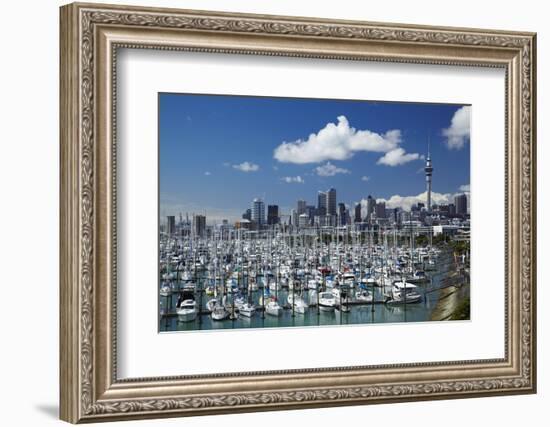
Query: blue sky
x=219 y=152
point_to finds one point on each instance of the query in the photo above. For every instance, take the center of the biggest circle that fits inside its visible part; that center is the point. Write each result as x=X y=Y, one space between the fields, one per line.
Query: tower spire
x=428 y=169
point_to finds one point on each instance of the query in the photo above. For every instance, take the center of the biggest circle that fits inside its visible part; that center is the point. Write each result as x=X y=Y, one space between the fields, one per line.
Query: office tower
x=272 y=214
x=331 y=201
x=381 y=210
x=371 y=205
x=321 y=203
x=170 y=225
x=199 y=225
x=301 y=207
x=461 y=204
x=247 y=214
x=357 y=216
x=258 y=212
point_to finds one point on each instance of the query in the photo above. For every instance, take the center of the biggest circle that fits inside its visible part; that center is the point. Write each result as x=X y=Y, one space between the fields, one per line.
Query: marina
x=325 y=277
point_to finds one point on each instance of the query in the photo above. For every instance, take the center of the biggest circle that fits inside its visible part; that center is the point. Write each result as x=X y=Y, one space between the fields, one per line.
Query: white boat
x=403 y=292
x=297 y=303
x=187 y=311
x=219 y=313
x=247 y=310
x=273 y=308
x=363 y=295
x=165 y=290
x=327 y=301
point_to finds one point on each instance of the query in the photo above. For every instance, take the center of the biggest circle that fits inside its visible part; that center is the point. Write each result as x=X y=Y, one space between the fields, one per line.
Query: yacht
x=247 y=310
x=187 y=311
x=273 y=308
x=327 y=301
x=403 y=292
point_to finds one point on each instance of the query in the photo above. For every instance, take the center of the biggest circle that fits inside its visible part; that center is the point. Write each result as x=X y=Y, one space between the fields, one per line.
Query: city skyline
x=362 y=148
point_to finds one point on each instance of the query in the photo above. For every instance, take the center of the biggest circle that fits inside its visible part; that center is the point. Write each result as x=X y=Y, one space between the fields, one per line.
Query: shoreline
x=452 y=297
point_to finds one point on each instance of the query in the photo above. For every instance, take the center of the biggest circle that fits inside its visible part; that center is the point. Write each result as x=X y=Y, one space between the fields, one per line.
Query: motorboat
x=404 y=292
x=187 y=311
x=247 y=310
x=273 y=308
x=363 y=295
x=219 y=313
x=327 y=301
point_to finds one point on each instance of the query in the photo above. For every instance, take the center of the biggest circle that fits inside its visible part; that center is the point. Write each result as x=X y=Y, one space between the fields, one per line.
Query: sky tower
x=429 y=169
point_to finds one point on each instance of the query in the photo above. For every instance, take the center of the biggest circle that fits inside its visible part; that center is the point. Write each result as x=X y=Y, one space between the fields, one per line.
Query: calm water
x=377 y=313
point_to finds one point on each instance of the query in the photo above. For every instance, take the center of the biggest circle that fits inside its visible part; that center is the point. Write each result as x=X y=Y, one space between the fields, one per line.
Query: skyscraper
x=342 y=214
x=170 y=225
x=272 y=214
x=357 y=215
x=428 y=170
x=371 y=204
x=321 y=203
x=301 y=207
x=381 y=210
x=199 y=225
x=258 y=212
x=461 y=204
x=331 y=201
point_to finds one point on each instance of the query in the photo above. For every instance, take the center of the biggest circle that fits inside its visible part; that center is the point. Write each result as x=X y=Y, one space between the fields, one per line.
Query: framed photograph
x=265 y=213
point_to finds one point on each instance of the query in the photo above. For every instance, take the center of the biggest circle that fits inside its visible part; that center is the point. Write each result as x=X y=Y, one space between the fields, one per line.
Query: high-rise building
x=311 y=211
x=322 y=203
x=301 y=207
x=199 y=225
x=371 y=205
x=294 y=217
x=342 y=214
x=331 y=201
x=357 y=216
x=258 y=212
x=461 y=204
x=170 y=225
x=381 y=210
x=272 y=214
x=428 y=170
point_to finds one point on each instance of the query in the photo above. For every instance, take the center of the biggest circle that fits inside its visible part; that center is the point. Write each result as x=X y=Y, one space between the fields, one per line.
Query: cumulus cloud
x=465 y=188
x=397 y=157
x=406 y=202
x=459 y=132
x=336 y=142
x=328 y=169
x=293 y=179
x=247 y=167
x=365 y=178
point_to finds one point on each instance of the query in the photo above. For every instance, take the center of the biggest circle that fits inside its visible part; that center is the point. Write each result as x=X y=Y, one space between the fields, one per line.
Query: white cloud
x=293 y=179
x=247 y=167
x=405 y=202
x=465 y=188
x=365 y=178
x=329 y=169
x=459 y=132
x=207 y=173
x=336 y=142
x=397 y=157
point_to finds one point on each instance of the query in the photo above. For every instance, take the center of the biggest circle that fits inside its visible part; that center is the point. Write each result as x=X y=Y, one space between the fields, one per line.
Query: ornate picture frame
x=90 y=37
